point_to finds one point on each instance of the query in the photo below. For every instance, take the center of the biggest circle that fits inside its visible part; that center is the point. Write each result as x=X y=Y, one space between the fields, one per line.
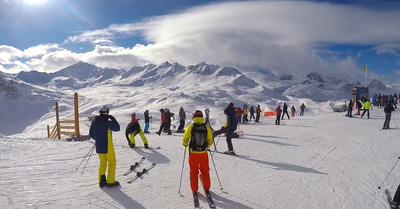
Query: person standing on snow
x=239 y=114
x=367 y=106
x=232 y=124
x=258 y=112
x=182 y=119
x=245 y=113
x=101 y=131
x=252 y=113
x=198 y=137
x=388 y=114
x=350 y=109
x=293 y=109
x=163 y=123
x=146 y=121
x=132 y=130
x=285 y=111
x=302 y=108
x=278 y=115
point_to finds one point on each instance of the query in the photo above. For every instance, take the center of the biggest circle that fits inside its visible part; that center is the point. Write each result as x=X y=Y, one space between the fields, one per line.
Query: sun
x=35 y=1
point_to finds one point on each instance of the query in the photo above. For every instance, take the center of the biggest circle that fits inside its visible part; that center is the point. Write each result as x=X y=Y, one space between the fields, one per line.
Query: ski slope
x=319 y=160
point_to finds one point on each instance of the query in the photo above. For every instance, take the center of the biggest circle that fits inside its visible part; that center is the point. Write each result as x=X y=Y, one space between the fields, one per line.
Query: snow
x=319 y=160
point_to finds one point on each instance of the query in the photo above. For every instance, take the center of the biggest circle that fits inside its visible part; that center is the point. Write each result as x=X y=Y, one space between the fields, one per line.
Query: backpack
x=198 y=141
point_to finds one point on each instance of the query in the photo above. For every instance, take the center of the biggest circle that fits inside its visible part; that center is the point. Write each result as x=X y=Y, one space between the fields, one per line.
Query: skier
x=367 y=106
x=358 y=105
x=245 y=113
x=252 y=113
x=388 y=114
x=146 y=121
x=163 y=123
x=232 y=124
x=293 y=109
x=101 y=131
x=302 y=108
x=278 y=115
x=182 y=119
x=168 y=116
x=198 y=137
x=239 y=114
x=132 y=130
x=350 y=109
x=258 y=111
x=285 y=111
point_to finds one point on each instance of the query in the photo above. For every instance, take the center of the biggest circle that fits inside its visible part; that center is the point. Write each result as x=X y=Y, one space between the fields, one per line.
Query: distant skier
x=278 y=111
x=163 y=125
x=367 y=106
x=358 y=105
x=146 y=121
x=293 y=110
x=388 y=114
x=168 y=116
x=101 y=131
x=302 y=108
x=245 y=114
x=252 y=113
x=258 y=113
x=285 y=111
x=132 y=129
x=182 y=119
x=198 y=137
x=239 y=114
x=350 y=109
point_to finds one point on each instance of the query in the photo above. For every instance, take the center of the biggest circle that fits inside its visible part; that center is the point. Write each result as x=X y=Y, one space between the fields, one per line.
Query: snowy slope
x=320 y=160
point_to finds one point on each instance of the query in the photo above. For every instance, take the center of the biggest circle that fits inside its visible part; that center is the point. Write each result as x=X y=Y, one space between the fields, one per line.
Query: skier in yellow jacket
x=367 y=106
x=198 y=137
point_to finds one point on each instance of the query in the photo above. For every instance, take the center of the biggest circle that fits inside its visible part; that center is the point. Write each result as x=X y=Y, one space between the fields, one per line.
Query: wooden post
x=58 y=122
x=48 y=131
x=76 y=115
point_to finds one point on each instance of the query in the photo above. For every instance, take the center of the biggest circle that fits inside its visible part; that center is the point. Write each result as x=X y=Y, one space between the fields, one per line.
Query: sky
x=286 y=37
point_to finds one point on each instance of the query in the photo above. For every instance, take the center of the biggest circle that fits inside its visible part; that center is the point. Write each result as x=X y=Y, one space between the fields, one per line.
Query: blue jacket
x=100 y=131
x=231 y=119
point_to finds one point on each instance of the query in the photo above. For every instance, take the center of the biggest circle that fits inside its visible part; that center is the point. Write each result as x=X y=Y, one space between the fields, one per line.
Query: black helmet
x=104 y=110
x=197 y=113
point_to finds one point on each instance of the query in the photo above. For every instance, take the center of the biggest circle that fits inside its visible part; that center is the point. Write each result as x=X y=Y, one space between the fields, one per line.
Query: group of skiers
x=388 y=103
x=245 y=112
x=282 y=112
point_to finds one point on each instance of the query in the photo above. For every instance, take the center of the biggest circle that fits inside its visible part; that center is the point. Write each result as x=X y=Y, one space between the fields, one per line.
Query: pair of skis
x=208 y=197
x=140 y=173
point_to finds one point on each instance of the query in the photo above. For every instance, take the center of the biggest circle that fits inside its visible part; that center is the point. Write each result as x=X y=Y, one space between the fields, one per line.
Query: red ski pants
x=199 y=162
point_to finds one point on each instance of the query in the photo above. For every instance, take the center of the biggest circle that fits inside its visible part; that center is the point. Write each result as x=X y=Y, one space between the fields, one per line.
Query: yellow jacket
x=188 y=135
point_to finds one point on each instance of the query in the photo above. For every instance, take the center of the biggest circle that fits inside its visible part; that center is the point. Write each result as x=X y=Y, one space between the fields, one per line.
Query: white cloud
x=283 y=36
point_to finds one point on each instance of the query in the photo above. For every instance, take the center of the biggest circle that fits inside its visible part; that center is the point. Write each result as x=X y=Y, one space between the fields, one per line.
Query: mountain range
x=164 y=85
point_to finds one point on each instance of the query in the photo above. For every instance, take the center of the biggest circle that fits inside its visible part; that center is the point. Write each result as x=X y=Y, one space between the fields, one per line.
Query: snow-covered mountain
x=201 y=85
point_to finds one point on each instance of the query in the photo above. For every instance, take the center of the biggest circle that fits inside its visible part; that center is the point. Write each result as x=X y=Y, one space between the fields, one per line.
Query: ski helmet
x=197 y=113
x=133 y=114
x=104 y=110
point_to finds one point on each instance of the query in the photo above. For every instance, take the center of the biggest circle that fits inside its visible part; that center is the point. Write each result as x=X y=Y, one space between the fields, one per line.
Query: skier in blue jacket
x=101 y=131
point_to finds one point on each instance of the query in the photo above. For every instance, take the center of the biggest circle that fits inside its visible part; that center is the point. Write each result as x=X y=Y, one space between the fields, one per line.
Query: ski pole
x=183 y=164
x=379 y=187
x=87 y=161
x=215 y=168
x=90 y=151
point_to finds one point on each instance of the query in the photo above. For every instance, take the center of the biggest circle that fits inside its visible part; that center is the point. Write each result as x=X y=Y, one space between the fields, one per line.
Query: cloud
x=283 y=36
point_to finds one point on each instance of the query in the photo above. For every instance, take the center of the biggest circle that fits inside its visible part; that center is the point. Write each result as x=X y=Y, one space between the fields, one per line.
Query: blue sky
x=295 y=37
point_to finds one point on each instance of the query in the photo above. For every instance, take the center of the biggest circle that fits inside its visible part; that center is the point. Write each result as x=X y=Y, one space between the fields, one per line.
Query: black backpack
x=198 y=141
